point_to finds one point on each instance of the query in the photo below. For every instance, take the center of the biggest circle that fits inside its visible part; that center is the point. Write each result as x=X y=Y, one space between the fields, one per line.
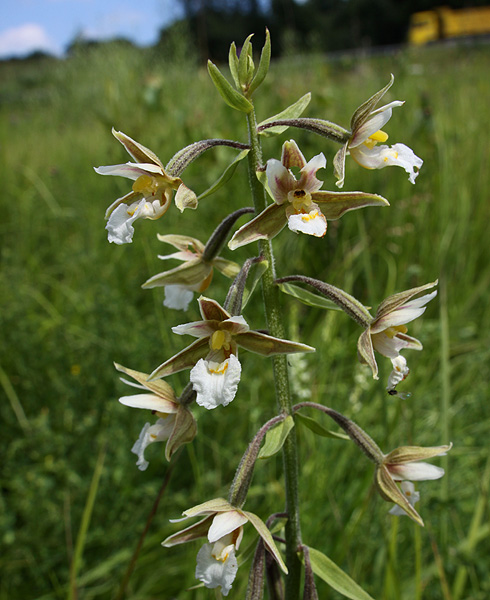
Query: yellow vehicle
x=445 y=23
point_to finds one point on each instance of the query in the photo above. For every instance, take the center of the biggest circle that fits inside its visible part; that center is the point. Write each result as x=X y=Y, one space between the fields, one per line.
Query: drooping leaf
x=291 y=112
x=332 y=574
x=275 y=438
x=318 y=428
x=307 y=297
x=229 y=95
x=225 y=176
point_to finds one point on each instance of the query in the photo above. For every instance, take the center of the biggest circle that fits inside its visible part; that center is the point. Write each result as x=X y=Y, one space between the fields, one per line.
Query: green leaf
x=229 y=95
x=319 y=429
x=275 y=438
x=306 y=297
x=263 y=69
x=291 y=112
x=255 y=273
x=327 y=570
x=233 y=63
x=225 y=177
x=245 y=64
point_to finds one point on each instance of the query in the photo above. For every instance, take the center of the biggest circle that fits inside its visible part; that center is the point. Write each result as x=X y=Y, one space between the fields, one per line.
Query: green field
x=72 y=304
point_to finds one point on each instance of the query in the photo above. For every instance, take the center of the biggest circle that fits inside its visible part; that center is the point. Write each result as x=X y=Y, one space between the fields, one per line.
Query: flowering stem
x=275 y=325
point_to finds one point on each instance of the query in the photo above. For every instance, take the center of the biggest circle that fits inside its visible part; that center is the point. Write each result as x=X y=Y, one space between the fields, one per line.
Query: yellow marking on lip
x=220 y=370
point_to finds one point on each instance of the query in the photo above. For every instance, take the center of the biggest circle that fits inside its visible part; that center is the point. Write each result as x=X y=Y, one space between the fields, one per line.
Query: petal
x=182 y=242
x=308 y=181
x=384 y=156
x=177 y=297
x=211 y=310
x=387 y=346
x=224 y=523
x=159 y=432
x=399 y=373
x=376 y=121
x=199 y=329
x=404 y=314
x=339 y=166
x=216 y=384
x=190 y=274
x=264 y=226
x=397 y=300
x=416 y=471
x=391 y=492
x=161 y=388
x=120 y=224
x=193 y=532
x=185 y=198
x=280 y=180
x=313 y=223
x=151 y=402
x=216 y=573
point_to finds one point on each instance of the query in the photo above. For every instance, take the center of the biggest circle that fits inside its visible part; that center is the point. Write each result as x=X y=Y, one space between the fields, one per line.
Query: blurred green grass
x=71 y=304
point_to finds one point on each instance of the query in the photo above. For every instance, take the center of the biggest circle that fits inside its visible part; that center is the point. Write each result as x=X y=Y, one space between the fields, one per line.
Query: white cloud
x=27 y=38
x=122 y=22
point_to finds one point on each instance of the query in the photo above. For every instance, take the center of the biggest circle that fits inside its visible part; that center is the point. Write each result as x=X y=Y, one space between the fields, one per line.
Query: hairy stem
x=275 y=325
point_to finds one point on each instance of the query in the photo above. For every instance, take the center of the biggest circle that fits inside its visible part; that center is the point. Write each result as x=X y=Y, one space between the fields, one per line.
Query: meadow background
x=72 y=304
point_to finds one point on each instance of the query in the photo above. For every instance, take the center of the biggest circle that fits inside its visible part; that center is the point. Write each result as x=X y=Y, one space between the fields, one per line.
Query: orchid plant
x=300 y=202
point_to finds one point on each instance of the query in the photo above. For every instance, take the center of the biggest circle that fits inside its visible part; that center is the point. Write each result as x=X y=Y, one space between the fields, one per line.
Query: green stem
x=275 y=325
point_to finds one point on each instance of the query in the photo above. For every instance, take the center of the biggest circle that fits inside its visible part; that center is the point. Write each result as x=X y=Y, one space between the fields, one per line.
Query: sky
x=50 y=25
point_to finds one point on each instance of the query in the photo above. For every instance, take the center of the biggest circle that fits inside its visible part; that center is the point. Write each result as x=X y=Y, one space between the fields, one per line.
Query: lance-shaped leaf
x=275 y=438
x=233 y=64
x=291 y=112
x=246 y=64
x=319 y=429
x=336 y=578
x=355 y=309
x=229 y=95
x=263 y=68
x=225 y=176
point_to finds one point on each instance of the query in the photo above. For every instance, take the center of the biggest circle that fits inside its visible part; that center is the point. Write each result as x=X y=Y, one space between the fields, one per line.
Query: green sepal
x=227 y=267
x=191 y=273
x=229 y=95
x=291 y=112
x=335 y=204
x=246 y=64
x=266 y=536
x=193 y=532
x=267 y=345
x=185 y=359
x=391 y=492
x=396 y=300
x=210 y=507
x=336 y=578
x=225 y=176
x=183 y=432
x=140 y=153
x=320 y=430
x=275 y=438
x=264 y=226
x=161 y=388
x=263 y=68
x=233 y=64
x=362 y=113
x=407 y=454
x=306 y=297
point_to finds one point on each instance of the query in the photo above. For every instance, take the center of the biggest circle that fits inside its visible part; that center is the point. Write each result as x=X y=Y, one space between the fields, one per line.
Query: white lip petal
x=399 y=372
x=214 y=573
x=416 y=471
x=313 y=223
x=159 y=432
x=216 y=383
x=120 y=224
x=177 y=297
x=224 y=523
x=389 y=347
